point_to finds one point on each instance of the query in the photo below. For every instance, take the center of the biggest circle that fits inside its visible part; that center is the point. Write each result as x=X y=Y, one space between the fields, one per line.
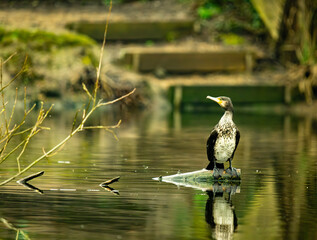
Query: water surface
x=277 y=197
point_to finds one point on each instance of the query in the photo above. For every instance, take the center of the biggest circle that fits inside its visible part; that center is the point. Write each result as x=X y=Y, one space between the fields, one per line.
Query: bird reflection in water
x=219 y=212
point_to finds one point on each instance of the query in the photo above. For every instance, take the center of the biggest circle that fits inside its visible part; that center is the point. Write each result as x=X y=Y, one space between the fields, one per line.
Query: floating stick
x=108 y=182
x=30 y=177
x=24 y=181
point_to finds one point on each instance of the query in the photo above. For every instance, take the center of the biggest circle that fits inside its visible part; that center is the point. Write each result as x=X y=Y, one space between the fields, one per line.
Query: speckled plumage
x=224 y=138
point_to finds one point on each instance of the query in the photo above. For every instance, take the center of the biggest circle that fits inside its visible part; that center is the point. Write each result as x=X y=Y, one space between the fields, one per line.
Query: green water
x=277 y=197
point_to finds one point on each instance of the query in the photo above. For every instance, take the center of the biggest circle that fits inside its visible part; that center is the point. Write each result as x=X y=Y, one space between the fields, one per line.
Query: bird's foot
x=232 y=172
x=217 y=173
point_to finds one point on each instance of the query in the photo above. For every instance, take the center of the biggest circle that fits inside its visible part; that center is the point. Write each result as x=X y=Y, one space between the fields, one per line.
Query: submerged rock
x=203 y=179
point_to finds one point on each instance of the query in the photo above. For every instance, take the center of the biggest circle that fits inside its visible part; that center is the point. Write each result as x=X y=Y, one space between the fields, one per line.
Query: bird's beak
x=217 y=100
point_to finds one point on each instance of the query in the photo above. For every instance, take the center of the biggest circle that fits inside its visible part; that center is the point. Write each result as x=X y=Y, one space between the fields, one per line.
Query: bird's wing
x=210 y=146
x=237 y=138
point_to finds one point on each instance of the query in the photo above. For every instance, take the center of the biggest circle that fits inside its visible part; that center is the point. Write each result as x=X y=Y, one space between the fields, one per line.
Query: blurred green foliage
x=149 y=43
x=208 y=10
x=42 y=40
x=231 y=39
x=171 y=36
x=240 y=15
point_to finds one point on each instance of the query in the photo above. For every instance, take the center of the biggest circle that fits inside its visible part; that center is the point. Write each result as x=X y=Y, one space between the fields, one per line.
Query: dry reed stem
x=102 y=52
x=15 y=77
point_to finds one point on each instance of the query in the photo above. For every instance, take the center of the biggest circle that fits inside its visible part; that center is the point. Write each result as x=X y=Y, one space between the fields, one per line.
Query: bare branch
x=41 y=116
x=8 y=59
x=12 y=151
x=14 y=105
x=10 y=226
x=103 y=127
x=15 y=77
x=53 y=153
x=86 y=90
x=74 y=121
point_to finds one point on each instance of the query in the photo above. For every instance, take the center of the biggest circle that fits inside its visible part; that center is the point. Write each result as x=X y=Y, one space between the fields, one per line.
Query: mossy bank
x=56 y=64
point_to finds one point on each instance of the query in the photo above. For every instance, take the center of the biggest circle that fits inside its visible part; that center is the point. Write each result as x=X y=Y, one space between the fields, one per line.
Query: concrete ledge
x=189 y=61
x=182 y=96
x=135 y=31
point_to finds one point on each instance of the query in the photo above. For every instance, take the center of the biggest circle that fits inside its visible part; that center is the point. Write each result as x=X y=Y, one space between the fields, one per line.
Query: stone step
x=190 y=97
x=135 y=31
x=182 y=60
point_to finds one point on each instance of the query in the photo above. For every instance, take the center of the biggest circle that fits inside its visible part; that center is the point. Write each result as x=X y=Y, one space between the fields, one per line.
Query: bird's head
x=224 y=102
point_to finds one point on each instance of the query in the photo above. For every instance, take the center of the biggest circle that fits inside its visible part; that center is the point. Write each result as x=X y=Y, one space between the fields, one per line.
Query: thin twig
x=117 y=99
x=16 y=127
x=8 y=59
x=15 y=77
x=75 y=120
x=86 y=90
x=103 y=127
x=54 y=153
x=3 y=102
x=12 y=151
x=14 y=105
x=41 y=116
x=3 y=156
x=10 y=226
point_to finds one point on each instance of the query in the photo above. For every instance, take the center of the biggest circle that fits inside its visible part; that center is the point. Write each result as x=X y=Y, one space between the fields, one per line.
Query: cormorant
x=223 y=140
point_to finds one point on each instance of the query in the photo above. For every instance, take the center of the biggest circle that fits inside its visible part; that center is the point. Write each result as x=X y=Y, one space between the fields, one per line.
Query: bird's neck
x=227 y=117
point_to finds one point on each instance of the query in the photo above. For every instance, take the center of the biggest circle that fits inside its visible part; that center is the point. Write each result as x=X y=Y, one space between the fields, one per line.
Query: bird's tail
x=210 y=166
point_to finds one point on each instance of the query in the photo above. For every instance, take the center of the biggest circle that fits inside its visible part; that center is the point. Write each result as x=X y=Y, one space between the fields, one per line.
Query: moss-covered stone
x=53 y=63
x=42 y=40
x=202 y=179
